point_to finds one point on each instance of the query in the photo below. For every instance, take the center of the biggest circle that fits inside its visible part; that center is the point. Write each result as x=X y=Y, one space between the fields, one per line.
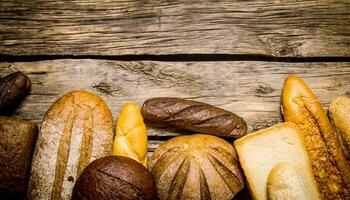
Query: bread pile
x=324 y=171
x=78 y=155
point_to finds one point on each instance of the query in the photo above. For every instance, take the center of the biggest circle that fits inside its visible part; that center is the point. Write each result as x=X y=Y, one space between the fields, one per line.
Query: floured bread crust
x=77 y=129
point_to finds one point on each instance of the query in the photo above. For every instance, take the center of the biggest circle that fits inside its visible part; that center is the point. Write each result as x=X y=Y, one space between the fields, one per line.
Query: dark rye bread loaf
x=76 y=130
x=195 y=116
x=13 y=88
x=17 y=141
x=196 y=167
x=114 y=177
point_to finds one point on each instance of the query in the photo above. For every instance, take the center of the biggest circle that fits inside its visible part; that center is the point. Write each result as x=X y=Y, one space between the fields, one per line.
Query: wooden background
x=109 y=27
x=232 y=54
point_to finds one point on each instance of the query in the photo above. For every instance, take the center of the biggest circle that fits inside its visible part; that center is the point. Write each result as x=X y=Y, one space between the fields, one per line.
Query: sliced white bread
x=261 y=151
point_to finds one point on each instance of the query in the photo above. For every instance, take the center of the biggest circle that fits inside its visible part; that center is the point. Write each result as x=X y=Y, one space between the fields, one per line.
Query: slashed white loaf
x=261 y=151
x=76 y=130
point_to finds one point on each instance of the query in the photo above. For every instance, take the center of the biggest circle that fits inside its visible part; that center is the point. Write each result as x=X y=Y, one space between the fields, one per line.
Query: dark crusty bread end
x=17 y=141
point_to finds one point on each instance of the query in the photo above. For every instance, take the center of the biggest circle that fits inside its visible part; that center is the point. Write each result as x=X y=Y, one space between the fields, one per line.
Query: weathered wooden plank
x=250 y=89
x=108 y=27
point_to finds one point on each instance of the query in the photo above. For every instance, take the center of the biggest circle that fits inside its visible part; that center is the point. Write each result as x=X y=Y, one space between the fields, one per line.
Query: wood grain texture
x=250 y=89
x=158 y=27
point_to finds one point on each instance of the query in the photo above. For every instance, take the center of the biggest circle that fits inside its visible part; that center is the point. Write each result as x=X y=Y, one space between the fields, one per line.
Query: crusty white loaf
x=77 y=129
x=259 y=152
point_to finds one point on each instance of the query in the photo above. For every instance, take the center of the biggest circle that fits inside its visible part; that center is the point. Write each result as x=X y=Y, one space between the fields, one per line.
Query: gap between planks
x=173 y=58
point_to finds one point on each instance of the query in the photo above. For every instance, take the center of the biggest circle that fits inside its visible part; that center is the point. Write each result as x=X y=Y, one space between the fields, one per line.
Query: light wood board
x=159 y=27
x=249 y=89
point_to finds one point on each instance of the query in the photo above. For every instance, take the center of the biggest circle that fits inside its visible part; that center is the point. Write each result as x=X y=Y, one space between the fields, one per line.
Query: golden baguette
x=330 y=167
x=131 y=135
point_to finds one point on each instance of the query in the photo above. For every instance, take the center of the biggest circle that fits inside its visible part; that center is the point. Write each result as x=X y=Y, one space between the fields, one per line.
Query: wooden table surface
x=232 y=54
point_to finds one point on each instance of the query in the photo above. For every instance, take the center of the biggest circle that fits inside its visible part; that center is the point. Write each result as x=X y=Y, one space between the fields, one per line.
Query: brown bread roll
x=329 y=164
x=13 y=88
x=339 y=114
x=17 y=140
x=194 y=116
x=77 y=129
x=196 y=167
x=114 y=177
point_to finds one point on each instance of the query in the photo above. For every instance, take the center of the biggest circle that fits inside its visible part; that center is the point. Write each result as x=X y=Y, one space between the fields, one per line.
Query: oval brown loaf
x=195 y=116
x=77 y=129
x=115 y=177
x=13 y=88
x=196 y=167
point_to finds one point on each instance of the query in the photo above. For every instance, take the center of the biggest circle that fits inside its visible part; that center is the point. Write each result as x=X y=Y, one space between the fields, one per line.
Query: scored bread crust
x=330 y=167
x=77 y=129
x=339 y=114
x=196 y=167
x=194 y=116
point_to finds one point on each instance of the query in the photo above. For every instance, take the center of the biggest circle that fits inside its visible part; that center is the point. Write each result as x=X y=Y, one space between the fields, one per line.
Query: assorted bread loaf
x=306 y=157
x=195 y=116
x=131 y=134
x=17 y=140
x=329 y=163
x=114 y=177
x=77 y=129
x=13 y=88
x=196 y=167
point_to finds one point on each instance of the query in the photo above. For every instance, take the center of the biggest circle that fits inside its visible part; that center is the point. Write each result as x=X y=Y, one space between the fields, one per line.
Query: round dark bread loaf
x=196 y=167
x=114 y=177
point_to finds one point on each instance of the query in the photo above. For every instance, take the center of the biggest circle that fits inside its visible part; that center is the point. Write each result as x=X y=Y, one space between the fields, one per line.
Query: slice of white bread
x=259 y=152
